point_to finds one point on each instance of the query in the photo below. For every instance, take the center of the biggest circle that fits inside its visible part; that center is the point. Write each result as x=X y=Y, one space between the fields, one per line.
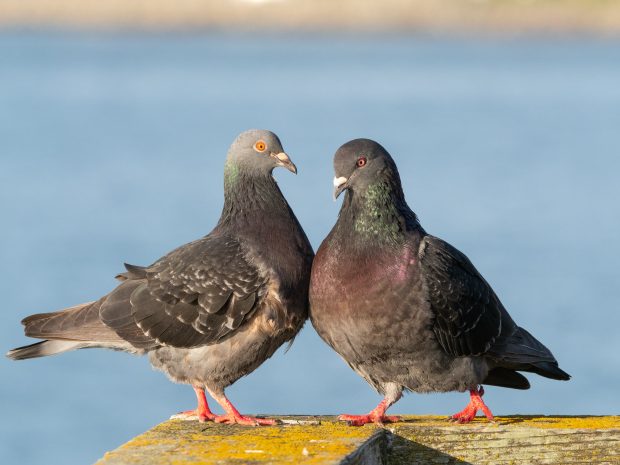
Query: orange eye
x=361 y=162
x=260 y=146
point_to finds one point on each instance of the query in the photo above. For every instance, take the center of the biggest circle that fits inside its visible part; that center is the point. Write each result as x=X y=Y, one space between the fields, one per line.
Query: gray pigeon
x=213 y=310
x=406 y=310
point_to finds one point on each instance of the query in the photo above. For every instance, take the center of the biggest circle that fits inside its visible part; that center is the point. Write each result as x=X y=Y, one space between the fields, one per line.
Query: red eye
x=361 y=162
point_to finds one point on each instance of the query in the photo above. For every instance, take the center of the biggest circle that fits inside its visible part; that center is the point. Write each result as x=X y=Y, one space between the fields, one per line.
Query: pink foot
x=233 y=417
x=237 y=419
x=203 y=417
x=377 y=416
x=475 y=404
x=202 y=411
x=361 y=420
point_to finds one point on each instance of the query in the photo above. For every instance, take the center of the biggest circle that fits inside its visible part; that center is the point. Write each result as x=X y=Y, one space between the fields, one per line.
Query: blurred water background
x=112 y=148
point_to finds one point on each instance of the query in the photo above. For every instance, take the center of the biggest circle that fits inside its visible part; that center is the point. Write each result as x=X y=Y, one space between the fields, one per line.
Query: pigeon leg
x=203 y=412
x=476 y=403
x=233 y=416
x=377 y=416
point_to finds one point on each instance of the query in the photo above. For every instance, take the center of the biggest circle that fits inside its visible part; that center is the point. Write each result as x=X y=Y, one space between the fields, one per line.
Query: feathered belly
x=220 y=365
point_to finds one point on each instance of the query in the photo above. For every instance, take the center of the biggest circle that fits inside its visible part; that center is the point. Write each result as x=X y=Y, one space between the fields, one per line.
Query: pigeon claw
x=361 y=420
x=203 y=417
x=234 y=419
x=376 y=416
x=475 y=404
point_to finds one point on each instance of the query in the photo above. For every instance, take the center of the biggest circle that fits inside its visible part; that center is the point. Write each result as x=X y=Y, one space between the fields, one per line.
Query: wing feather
x=196 y=295
x=468 y=314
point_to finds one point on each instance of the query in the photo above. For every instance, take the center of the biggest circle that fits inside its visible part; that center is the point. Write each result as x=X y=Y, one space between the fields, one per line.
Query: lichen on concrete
x=178 y=442
x=416 y=440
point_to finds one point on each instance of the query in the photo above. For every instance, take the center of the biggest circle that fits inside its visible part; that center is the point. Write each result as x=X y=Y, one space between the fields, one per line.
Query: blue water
x=112 y=147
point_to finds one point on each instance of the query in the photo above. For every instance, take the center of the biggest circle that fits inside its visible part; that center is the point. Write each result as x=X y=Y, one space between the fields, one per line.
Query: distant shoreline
x=495 y=17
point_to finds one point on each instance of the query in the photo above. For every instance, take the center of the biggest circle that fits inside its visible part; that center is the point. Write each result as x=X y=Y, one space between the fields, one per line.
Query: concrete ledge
x=512 y=441
x=417 y=440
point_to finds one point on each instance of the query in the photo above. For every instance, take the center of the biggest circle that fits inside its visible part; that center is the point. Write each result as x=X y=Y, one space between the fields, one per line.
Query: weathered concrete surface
x=511 y=441
x=416 y=441
x=179 y=442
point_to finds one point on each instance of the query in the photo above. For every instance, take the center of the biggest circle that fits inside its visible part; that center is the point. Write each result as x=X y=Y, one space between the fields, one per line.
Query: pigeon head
x=361 y=163
x=258 y=151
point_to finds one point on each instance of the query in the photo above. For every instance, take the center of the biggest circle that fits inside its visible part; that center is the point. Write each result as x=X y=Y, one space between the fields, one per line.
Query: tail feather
x=45 y=348
x=74 y=328
x=549 y=370
x=523 y=352
x=504 y=377
x=79 y=323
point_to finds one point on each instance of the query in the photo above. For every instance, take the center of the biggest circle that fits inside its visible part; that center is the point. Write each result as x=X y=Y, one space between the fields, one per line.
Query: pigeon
x=213 y=310
x=406 y=310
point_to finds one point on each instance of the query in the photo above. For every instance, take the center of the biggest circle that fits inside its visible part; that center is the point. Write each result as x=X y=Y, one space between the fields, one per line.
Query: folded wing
x=468 y=314
x=196 y=295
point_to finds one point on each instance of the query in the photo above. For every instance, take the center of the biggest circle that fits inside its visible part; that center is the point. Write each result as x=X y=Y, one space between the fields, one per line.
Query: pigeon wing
x=196 y=295
x=468 y=314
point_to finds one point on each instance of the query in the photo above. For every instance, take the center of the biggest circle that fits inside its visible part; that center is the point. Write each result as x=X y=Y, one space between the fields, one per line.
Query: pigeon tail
x=504 y=377
x=549 y=370
x=44 y=349
x=74 y=328
x=523 y=352
x=78 y=323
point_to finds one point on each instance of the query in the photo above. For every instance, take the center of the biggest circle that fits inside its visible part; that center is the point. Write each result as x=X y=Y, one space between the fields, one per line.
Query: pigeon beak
x=282 y=159
x=340 y=184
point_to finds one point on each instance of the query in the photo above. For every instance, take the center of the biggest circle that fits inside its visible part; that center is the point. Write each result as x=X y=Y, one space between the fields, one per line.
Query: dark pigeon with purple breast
x=212 y=310
x=406 y=310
